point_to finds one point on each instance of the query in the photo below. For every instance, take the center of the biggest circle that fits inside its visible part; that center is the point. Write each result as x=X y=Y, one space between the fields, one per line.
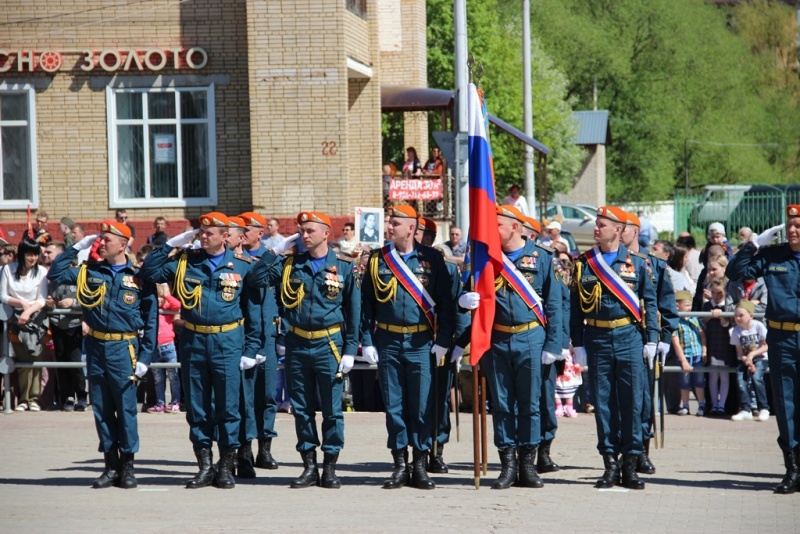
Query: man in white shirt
x=553 y=231
x=273 y=238
x=515 y=199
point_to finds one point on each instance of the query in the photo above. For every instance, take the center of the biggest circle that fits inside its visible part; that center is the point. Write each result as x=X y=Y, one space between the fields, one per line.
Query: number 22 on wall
x=329 y=148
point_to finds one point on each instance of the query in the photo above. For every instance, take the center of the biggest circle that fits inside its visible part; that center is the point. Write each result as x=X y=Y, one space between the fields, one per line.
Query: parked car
x=576 y=220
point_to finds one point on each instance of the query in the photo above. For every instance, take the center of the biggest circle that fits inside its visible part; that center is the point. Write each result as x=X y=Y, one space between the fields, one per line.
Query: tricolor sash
x=410 y=282
x=612 y=281
x=517 y=281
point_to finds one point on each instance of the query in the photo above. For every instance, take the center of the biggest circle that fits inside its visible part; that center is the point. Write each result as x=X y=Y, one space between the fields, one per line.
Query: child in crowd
x=566 y=385
x=718 y=341
x=750 y=339
x=166 y=354
x=690 y=347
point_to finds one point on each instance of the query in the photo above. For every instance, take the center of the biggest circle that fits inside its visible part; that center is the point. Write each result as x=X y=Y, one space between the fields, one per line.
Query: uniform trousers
x=784 y=372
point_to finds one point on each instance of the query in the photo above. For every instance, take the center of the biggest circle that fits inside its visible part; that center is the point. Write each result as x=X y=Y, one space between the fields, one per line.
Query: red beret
x=253 y=219
x=403 y=211
x=237 y=222
x=612 y=213
x=426 y=225
x=215 y=218
x=793 y=210
x=116 y=228
x=512 y=212
x=532 y=224
x=632 y=219
x=314 y=216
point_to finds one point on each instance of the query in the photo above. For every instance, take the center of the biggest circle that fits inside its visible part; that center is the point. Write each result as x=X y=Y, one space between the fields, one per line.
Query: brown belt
x=315 y=334
x=616 y=323
x=516 y=328
x=213 y=329
x=791 y=327
x=397 y=329
x=112 y=336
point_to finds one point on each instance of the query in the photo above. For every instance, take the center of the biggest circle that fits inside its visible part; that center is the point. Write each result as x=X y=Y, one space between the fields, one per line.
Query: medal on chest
x=229 y=282
x=334 y=283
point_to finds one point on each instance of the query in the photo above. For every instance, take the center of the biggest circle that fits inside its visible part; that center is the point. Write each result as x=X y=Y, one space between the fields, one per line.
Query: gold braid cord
x=383 y=291
x=499 y=282
x=291 y=298
x=590 y=299
x=86 y=297
x=189 y=299
x=132 y=353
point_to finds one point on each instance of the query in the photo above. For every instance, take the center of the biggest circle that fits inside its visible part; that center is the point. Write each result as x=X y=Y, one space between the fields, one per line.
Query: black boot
x=643 y=464
x=791 y=480
x=610 y=476
x=126 y=478
x=244 y=462
x=436 y=464
x=419 y=473
x=310 y=475
x=508 y=468
x=264 y=460
x=111 y=472
x=205 y=476
x=329 y=478
x=527 y=468
x=630 y=479
x=224 y=475
x=545 y=464
x=400 y=475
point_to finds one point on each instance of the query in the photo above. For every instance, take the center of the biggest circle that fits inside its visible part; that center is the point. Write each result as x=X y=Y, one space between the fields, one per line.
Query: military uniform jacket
x=536 y=265
x=129 y=303
x=633 y=270
x=265 y=299
x=330 y=298
x=665 y=293
x=780 y=269
x=428 y=265
x=223 y=296
x=463 y=318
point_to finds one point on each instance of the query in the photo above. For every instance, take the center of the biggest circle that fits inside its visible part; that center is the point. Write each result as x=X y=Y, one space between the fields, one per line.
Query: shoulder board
x=658 y=256
x=243 y=258
x=344 y=257
x=548 y=248
x=638 y=254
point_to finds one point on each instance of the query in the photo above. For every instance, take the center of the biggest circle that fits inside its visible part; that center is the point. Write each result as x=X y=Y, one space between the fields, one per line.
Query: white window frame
x=33 y=202
x=113 y=179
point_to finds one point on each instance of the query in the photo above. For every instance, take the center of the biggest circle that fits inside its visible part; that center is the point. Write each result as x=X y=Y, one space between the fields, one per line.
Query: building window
x=359 y=7
x=162 y=147
x=18 y=147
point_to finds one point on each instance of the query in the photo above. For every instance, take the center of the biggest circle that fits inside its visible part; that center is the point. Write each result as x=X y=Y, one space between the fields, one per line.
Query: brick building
x=174 y=108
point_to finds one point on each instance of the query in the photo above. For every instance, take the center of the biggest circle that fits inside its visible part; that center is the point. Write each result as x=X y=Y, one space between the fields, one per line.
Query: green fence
x=756 y=206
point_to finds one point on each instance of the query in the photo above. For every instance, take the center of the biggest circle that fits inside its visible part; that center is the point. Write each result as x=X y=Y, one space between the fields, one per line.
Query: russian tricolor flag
x=487 y=257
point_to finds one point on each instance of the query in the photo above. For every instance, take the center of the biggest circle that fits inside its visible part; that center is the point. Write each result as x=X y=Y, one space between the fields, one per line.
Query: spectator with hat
x=216 y=339
x=553 y=231
x=750 y=339
x=117 y=304
x=65 y=226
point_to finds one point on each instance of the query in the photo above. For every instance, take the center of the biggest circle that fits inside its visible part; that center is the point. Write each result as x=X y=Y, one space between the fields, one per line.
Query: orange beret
x=512 y=212
x=116 y=228
x=314 y=216
x=632 y=219
x=215 y=218
x=612 y=213
x=237 y=222
x=404 y=211
x=253 y=219
x=532 y=224
x=793 y=210
x=426 y=225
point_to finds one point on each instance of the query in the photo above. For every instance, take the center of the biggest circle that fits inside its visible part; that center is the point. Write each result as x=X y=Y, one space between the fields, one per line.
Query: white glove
x=649 y=352
x=548 y=357
x=141 y=369
x=246 y=363
x=280 y=350
x=440 y=353
x=288 y=243
x=370 y=354
x=85 y=243
x=456 y=356
x=469 y=300
x=182 y=239
x=765 y=238
x=564 y=354
x=260 y=358
x=663 y=350
x=347 y=363
x=580 y=356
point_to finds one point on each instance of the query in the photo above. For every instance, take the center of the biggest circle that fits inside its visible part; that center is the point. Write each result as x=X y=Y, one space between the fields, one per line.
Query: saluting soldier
x=668 y=324
x=216 y=340
x=779 y=265
x=445 y=374
x=407 y=327
x=266 y=371
x=614 y=324
x=322 y=305
x=116 y=305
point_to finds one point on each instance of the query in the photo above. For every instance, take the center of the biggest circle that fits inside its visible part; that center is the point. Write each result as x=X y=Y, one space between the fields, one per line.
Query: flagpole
x=462 y=81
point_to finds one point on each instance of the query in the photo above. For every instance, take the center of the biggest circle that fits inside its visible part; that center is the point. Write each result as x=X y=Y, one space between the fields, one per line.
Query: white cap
x=716 y=228
x=554 y=225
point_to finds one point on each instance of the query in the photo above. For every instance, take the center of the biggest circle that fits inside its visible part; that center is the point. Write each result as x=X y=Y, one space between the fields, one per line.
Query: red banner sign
x=416 y=189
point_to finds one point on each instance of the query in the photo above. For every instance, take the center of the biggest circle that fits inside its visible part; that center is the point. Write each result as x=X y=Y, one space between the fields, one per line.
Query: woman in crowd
x=412 y=168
